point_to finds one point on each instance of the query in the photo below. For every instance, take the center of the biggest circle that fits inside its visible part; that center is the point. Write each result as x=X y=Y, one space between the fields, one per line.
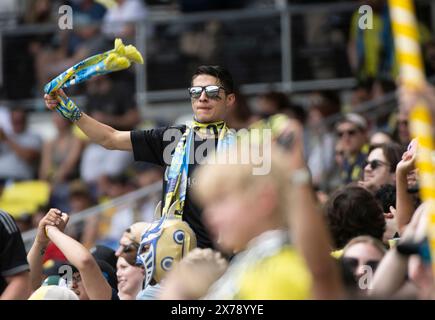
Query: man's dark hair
x=386 y=196
x=392 y=152
x=353 y=212
x=223 y=75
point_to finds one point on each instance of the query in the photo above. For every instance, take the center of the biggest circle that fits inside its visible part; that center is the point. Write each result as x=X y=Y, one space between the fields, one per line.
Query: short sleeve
x=13 y=258
x=150 y=145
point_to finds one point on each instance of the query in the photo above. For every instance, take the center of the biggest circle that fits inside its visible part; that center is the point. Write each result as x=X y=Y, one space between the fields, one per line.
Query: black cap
x=106 y=254
x=109 y=273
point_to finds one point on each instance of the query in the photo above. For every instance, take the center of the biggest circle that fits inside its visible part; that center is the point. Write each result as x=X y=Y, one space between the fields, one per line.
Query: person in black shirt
x=14 y=275
x=212 y=94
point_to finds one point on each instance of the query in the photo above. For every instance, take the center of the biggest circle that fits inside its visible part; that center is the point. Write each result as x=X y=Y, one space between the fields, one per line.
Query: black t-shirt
x=13 y=259
x=156 y=146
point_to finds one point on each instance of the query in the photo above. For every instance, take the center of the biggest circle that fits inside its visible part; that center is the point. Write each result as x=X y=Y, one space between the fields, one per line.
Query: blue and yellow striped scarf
x=179 y=169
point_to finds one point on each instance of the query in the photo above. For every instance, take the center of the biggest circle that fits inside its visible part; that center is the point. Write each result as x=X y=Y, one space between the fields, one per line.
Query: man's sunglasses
x=348 y=132
x=210 y=91
x=352 y=263
x=374 y=164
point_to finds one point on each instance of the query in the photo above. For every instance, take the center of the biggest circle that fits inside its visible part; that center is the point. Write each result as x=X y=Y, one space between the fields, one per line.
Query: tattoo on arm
x=42 y=252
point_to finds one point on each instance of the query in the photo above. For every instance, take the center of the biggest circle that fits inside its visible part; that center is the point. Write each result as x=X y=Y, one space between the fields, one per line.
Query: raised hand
x=407 y=164
x=54 y=218
x=60 y=102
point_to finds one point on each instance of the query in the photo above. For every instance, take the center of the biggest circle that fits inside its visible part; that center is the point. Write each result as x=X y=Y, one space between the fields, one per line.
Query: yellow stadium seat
x=24 y=197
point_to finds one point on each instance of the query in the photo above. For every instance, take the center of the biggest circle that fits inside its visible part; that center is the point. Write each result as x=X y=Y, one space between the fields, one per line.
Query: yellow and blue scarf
x=116 y=59
x=179 y=168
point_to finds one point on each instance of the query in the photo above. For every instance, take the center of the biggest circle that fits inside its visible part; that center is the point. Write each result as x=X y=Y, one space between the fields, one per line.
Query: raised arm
x=98 y=132
x=308 y=227
x=97 y=288
x=390 y=276
x=404 y=203
x=36 y=253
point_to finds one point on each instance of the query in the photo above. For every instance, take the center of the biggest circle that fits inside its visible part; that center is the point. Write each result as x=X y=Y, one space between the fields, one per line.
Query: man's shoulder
x=7 y=223
x=160 y=131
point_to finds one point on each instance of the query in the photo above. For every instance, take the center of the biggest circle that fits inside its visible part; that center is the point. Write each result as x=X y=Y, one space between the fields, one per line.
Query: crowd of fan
x=363 y=179
x=355 y=228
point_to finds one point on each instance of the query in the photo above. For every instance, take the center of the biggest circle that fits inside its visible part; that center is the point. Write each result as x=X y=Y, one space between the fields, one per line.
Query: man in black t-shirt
x=212 y=94
x=14 y=275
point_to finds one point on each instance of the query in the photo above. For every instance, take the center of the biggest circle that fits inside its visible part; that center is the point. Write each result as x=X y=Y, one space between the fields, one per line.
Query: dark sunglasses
x=348 y=132
x=352 y=263
x=374 y=164
x=210 y=91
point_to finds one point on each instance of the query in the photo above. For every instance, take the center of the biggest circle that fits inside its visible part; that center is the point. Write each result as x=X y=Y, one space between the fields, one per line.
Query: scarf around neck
x=179 y=169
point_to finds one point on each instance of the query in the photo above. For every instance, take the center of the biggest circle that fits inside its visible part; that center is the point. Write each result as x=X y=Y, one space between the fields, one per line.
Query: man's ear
x=231 y=100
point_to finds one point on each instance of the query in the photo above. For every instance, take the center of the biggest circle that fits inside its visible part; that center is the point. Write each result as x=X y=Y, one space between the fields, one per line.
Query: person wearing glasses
x=352 y=134
x=212 y=94
x=381 y=166
x=360 y=259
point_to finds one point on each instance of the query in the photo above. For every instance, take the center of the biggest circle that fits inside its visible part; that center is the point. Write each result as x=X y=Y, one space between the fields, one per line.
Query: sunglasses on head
x=348 y=132
x=353 y=263
x=211 y=91
x=374 y=164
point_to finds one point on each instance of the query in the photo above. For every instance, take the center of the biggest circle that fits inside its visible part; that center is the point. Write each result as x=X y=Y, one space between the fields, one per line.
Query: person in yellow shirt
x=248 y=215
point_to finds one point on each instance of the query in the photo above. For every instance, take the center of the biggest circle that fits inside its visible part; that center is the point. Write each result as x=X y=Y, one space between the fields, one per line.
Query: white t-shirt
x=98 y=161
x=11 y=165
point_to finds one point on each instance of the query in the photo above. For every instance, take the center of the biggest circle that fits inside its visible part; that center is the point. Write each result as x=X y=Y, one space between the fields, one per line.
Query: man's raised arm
x=98 y=132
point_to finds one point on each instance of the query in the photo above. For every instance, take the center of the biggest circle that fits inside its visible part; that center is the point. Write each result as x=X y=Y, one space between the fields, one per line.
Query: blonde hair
x=366 y=239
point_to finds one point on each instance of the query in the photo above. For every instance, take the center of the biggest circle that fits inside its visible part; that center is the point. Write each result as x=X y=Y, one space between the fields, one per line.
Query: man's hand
x=51 y=100
x=54 y=218
x=60 y=102
x=407 y=164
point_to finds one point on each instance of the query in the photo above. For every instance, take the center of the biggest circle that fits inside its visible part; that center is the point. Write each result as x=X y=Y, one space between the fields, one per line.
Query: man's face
x=207 y=109
x=351 y=137
x=377 y=171
x=229 y=218
x=78 y=287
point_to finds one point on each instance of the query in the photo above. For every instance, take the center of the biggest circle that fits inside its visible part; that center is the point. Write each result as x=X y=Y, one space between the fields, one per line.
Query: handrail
x=29 y=236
